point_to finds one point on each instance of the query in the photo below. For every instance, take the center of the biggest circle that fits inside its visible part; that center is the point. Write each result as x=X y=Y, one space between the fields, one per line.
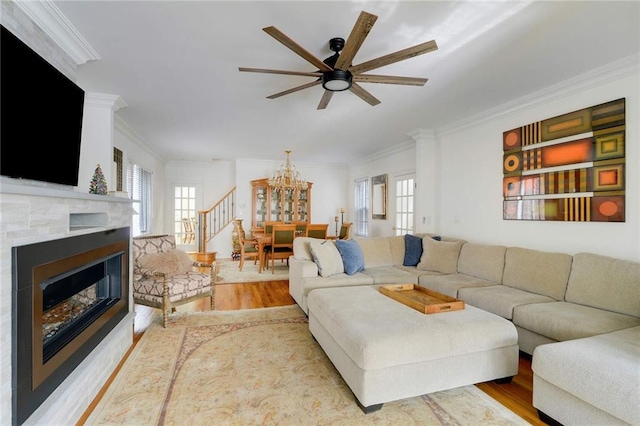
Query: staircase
x=212 y=221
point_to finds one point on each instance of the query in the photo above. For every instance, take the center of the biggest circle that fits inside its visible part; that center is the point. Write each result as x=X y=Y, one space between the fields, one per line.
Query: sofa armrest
x=299 y=269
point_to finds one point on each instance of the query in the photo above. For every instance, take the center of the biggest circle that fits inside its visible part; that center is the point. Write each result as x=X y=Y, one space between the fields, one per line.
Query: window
x=361 y=222
x=404 y=205
x=184 y=213
x=139 y=189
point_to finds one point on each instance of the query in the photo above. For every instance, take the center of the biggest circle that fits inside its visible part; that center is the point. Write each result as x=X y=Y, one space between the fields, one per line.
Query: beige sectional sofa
x=549 y=297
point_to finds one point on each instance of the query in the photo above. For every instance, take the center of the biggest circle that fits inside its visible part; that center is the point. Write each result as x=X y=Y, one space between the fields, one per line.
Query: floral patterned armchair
x=164 y=277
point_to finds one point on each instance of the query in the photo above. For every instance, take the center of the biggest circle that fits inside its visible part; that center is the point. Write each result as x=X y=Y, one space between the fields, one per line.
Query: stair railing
x=215 y=219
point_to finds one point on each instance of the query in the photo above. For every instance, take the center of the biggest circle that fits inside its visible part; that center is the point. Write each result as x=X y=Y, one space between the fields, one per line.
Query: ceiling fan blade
x=326 y=97
x=295 y=89
x=308 y=56
x=390 y=79
x=364 y=95
x=267 y=71
x=391 y=58
x=359 y=32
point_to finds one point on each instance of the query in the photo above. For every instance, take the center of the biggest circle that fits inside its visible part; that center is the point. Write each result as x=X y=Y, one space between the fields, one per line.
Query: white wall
x=399 y=160
x=470 y=204
x=135 y=150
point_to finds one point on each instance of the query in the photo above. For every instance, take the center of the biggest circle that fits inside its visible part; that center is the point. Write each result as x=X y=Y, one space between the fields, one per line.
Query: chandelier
x=287 y=177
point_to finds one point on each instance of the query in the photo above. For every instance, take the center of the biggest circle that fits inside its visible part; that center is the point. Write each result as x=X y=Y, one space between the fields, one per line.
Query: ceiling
x=175 y=64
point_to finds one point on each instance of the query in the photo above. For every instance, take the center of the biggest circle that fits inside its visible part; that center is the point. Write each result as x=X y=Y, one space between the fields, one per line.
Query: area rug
x=229 y=273
x=260 y=367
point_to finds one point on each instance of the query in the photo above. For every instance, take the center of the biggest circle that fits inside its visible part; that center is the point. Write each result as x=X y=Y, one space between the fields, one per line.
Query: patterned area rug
x=228 y=272
x=260 y=367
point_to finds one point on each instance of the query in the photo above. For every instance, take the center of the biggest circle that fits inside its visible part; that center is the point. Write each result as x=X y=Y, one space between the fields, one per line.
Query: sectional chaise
x=577 y=315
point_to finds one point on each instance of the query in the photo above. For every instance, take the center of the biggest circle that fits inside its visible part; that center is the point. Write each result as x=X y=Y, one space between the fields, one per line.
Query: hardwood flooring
x=517 y=395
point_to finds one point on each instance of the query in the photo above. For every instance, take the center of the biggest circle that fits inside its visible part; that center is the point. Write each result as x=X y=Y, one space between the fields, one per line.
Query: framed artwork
x=379 y=197
x=567 y=168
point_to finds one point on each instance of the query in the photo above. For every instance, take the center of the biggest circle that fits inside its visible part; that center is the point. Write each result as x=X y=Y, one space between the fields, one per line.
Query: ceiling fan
x=337 y=73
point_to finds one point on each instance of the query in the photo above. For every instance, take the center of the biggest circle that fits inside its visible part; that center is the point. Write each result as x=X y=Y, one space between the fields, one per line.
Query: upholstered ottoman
x=386 y=351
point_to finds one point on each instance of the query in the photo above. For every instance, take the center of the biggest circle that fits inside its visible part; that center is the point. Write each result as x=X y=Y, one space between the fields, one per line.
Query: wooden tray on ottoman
x=422 y=299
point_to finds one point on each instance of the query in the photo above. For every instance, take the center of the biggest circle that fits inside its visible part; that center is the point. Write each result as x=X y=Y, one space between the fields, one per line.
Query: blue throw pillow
x=352 y=256
x=412 y=250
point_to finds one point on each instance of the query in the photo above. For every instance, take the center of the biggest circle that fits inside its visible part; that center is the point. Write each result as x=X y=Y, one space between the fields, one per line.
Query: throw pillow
x=169 y=262
x=412 y=250
x=440 y=256
x=326 y=256
x=352 y=256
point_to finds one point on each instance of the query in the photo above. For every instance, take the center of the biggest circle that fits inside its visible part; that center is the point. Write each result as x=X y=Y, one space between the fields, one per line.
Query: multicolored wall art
x=567 y=168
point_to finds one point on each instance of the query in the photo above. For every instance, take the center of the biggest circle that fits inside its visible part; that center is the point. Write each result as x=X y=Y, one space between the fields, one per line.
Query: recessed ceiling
x=175 y=64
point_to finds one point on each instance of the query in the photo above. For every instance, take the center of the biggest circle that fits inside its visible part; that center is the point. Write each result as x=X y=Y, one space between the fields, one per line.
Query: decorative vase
x=237 y=235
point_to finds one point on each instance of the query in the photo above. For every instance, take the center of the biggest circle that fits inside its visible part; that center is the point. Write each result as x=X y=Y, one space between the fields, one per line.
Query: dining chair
x=268 y=230
x=301 y=229
x=317 y=230
x=345 y=231
x=281 y=243
x=188 y=228
x=248 y=250
x=344 y=234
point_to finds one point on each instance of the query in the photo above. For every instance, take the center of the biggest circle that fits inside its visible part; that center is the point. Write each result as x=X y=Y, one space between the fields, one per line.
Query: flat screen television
x=40 y=116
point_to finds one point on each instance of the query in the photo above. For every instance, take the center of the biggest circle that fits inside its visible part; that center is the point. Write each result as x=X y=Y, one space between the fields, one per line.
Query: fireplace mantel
x=32 y=214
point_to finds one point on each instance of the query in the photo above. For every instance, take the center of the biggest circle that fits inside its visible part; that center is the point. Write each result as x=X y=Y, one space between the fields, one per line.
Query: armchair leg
x=166 y=305
x=165 y=317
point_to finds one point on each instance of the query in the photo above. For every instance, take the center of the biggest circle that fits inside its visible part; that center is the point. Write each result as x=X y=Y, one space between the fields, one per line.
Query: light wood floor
x=516 y=395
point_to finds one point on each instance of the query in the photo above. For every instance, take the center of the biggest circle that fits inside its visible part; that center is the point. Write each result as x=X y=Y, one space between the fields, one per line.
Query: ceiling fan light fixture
x=336 y=80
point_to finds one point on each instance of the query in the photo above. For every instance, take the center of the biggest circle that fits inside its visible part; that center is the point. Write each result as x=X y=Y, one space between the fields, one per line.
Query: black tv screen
x=40 y=116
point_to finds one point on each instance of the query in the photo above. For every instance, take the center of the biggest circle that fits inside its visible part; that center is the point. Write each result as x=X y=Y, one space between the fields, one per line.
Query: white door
x=185 y=214
x=405 y=186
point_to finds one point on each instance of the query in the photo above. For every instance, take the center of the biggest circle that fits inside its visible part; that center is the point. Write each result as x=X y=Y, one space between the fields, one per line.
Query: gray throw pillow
x=326 y=256
x=439 y=256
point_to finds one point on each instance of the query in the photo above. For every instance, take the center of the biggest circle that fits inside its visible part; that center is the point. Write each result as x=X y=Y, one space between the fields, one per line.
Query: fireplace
x=68 y=294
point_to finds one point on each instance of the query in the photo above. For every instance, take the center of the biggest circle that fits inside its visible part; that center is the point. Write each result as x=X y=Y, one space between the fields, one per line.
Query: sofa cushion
x=565 y=321
x=601 y=370
x=439 y=256
x=169 y=262
x=327 y=257
x=301 y=248
x=450 y=284
x=396 y=245
x=544 y=273
x=606 y=283
x=412 y=250
x=351 y=254
x=376 y=251
x=391 y=275
x=482 y=261
x=499 y=299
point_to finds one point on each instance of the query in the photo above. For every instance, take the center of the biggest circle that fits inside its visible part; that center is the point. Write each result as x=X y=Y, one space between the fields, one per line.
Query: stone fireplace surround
x=32 y=214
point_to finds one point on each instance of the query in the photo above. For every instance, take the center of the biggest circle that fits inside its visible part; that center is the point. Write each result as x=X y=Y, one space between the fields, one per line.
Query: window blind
x=361 y=222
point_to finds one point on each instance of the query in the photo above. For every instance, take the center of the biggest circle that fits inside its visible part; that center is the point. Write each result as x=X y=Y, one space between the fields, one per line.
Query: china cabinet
x=273 y=205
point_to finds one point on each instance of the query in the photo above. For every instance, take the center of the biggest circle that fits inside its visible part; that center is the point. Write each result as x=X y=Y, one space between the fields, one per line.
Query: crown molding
x=610 y=72
x=46 y=15
x=124 y=128
x=386 y=152
x=422 y=134
x=114 y=102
